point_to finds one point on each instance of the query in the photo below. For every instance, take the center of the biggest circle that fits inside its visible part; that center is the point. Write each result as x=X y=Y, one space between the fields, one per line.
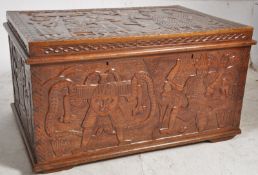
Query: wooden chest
x=101 y=83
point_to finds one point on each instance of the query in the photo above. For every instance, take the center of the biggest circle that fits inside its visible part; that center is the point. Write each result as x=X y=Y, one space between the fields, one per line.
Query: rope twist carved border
x=84 y=48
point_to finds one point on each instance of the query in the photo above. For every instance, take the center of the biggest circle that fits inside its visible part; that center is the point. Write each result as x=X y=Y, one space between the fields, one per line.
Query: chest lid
x=88 y=31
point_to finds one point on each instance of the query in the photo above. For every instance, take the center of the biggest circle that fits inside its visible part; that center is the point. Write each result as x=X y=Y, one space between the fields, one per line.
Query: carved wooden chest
x=102 y=83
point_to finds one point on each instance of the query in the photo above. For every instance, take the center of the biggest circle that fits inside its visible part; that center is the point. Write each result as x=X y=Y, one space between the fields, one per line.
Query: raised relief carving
x=180 y=79
x=192 y=94
x=102 y=104
x=114 y=23
x=224 y=88
x=22 y=90
x=119 y=22
x=107 y=104
x=196 y=87
x=173 y=97
x=130 y=45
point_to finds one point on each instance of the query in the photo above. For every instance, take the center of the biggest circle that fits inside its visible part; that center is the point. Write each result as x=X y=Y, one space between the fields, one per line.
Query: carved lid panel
x=129 y=27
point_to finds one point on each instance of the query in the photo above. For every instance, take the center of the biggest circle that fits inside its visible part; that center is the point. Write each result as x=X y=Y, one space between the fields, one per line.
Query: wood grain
x=85 y=31
x=172 y=76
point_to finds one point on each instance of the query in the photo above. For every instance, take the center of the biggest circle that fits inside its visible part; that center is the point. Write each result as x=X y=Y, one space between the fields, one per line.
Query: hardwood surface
x=45 y=33
x=171 y=77
x=124 y=22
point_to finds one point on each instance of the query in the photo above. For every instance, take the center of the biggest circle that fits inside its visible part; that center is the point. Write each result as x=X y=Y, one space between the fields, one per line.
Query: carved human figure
x=173 y=97
x=195 y=90
x=174 y=100
x=104 y=103
x=82 y=110
x=223 y=88
x=224 y=76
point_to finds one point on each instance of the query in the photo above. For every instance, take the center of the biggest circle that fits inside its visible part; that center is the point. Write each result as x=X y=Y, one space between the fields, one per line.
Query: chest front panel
x=112 y=104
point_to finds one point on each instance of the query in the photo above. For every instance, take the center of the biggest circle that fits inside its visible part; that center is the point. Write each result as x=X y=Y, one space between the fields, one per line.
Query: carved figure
x=110 y=105
x=173 y=97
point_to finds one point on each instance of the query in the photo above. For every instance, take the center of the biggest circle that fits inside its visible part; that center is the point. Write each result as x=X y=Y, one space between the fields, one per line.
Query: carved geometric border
x=85 y=48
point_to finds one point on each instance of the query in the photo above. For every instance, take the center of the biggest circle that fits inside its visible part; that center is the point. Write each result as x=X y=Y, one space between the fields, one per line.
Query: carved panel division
x=22 y=90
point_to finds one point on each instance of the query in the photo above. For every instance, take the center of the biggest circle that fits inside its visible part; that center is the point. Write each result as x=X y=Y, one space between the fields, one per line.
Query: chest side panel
x=22 y=88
